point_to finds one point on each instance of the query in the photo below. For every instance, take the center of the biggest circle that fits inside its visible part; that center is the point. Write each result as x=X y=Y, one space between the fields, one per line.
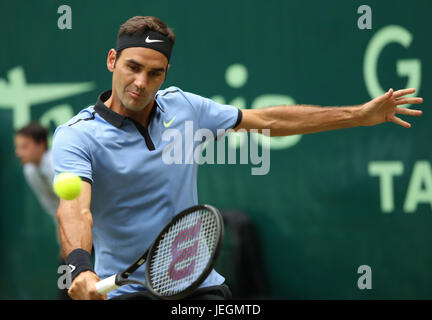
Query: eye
x=133 y=68
x=155 y=73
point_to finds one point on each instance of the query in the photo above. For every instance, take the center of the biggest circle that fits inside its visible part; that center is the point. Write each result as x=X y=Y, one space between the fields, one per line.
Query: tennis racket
x=180 y=258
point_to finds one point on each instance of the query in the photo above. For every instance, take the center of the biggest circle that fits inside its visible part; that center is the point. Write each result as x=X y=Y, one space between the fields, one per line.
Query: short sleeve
x=213 y=115
x=71 y=154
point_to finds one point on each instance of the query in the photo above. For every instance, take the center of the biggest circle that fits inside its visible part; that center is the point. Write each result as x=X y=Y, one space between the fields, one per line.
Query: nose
x=141 y=81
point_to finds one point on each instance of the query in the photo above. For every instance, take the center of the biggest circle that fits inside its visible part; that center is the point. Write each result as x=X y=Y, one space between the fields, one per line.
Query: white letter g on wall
x=410 y=68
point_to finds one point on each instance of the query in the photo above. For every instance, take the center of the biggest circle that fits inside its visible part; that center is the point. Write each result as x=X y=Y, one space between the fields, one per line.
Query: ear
x=166 y=71
x=112 y=54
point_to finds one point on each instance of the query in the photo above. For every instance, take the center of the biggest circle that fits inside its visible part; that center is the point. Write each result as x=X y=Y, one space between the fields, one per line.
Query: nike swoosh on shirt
x=148 y=40
x=169 y=123
x=72 y=267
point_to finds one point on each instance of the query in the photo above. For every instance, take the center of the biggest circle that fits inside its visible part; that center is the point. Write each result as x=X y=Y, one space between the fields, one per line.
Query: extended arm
x=302 y=119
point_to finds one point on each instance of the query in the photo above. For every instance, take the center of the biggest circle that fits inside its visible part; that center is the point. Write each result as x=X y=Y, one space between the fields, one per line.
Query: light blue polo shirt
x=135 y=193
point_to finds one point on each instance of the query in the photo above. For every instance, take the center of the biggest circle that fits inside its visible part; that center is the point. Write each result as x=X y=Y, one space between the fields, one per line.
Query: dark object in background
x=240 y=260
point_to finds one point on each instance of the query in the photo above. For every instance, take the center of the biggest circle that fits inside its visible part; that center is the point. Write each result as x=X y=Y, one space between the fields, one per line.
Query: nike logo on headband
x=147 y=40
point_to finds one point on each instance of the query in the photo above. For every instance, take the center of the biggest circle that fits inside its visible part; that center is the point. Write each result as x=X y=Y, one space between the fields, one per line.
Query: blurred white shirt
x=40 y=179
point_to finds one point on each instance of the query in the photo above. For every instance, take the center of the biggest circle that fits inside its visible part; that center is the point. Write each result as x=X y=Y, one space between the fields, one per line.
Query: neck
x=141 y=116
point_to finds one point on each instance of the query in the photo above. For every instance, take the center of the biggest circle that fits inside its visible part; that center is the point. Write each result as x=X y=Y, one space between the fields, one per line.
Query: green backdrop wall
x=330 y=203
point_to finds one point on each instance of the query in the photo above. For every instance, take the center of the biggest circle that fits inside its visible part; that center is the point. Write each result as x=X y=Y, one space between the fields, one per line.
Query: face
x=137 y=76
x=28 y=150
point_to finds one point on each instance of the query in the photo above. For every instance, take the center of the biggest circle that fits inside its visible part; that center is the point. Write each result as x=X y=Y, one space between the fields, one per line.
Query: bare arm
x=75 y=225
x=75 y=222
x=302 y=119
x=299 y=119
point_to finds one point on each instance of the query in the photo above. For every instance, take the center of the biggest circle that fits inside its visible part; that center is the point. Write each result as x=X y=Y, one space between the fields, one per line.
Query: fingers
x=409 y=112
x=83 y=287
x=80 y=291
x=402 y=101
x=384 y=97
x=95 y=295
x=389 y=93
x=397 y=94
x=403 y=92
x=400 y=122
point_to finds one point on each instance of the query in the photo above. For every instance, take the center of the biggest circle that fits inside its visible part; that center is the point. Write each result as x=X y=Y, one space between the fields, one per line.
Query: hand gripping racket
x=180 y=258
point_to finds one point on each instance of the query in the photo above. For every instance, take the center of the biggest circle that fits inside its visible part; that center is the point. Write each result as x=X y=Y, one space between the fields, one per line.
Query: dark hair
x=140 y=24
x=35 y=131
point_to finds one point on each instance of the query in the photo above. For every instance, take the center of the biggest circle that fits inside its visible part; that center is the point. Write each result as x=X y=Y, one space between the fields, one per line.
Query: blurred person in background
x=31 y=147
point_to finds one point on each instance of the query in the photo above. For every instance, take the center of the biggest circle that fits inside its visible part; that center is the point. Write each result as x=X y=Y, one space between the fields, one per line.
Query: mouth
x=134 y=95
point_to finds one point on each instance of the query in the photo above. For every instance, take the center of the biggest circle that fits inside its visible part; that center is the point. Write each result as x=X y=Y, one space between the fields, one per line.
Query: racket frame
x=121 y=278
x=194 y=285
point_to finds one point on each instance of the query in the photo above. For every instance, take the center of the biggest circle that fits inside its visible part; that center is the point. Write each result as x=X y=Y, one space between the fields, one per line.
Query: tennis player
x=116 y=147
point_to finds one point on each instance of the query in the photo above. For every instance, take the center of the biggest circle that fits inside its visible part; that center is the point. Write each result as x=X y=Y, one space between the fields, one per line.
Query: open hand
x=385 y=107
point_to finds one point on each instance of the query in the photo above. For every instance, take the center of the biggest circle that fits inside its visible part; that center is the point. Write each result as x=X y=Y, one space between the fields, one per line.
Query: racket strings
x=166 y=257
x=183 y=252
x=164 y=251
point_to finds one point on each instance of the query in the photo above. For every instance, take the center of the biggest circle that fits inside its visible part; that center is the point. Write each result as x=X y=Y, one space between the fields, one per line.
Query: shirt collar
x=111 y=116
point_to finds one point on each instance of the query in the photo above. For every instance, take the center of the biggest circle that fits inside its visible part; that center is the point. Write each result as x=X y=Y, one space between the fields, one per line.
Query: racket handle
x=106 y=285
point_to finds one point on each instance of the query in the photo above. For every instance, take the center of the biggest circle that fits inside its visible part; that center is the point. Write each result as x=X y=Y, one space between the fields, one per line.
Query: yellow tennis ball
x=67 y=186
